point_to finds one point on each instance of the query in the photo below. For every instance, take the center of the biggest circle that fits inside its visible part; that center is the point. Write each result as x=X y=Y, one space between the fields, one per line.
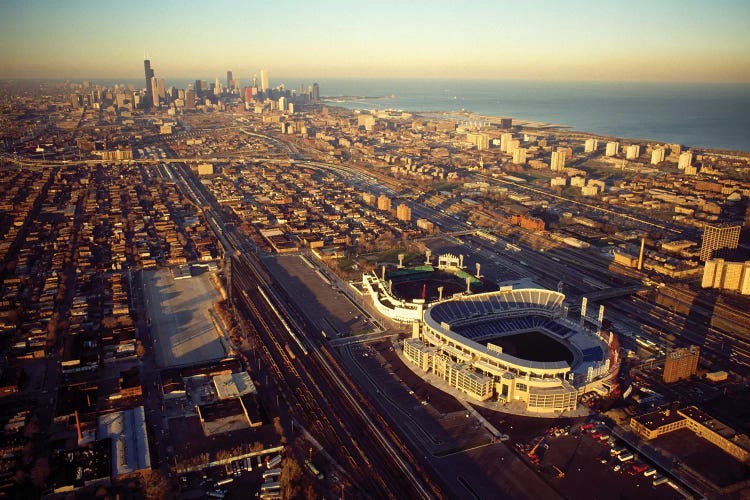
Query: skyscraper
x=149 y=75
x=264 y=80
x=149 y=72
x=230 y=78
x=719 y=237
x=315 y=93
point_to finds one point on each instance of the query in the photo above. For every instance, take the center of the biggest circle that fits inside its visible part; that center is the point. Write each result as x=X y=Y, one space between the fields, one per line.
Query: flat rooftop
x=181 y=325
x=656 y=419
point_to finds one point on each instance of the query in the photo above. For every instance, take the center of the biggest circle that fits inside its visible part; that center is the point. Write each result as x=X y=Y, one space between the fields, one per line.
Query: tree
x=157 y=485
x=291 y=474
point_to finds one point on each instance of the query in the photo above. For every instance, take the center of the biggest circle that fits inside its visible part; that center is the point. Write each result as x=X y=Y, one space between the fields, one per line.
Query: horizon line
x=323 y=78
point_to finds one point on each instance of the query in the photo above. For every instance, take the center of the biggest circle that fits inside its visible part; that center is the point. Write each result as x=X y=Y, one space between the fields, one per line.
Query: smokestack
x=640 y=256
x=428 y=254
x=382 y=273
x=401 y=260
x=78 y=427
x=440 y=293
x=390 y=286
x=468 y=284
x=461 y=261
x=479 y=276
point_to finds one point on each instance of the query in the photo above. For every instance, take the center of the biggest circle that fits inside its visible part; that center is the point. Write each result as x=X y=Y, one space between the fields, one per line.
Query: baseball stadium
x=508 y=345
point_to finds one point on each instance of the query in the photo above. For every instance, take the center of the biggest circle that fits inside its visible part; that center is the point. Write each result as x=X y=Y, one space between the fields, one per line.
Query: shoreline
x=552 y=127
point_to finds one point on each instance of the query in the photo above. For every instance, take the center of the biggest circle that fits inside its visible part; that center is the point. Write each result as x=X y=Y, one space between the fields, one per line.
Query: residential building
x=681 y=363
x=719 y=237
x=590 y=145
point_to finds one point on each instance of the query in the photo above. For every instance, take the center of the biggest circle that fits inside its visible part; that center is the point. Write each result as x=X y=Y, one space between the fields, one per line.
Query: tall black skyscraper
x=229 y=80
x=149 y=75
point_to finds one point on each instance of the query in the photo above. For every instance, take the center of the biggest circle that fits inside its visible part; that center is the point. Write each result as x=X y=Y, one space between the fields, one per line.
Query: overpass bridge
x=612 y=293
x=40 y=164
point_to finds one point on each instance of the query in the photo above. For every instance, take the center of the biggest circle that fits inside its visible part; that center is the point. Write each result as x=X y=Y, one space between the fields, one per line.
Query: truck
x=270 y=487
x=650 y=472
x=272 y=473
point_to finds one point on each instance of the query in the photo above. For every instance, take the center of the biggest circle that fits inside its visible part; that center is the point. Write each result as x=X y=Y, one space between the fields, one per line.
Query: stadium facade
x=460 y=340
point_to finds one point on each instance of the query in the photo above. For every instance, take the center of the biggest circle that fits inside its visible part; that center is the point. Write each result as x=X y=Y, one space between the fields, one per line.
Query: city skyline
x=668 y=41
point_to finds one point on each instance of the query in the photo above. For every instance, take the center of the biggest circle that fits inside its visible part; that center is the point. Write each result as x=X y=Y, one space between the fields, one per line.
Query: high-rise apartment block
x=633 y=152
x=369 y=198
x=681 y=363
x=505 y=140
x=613 y=148
x=719 y=237
x=733 y=276
x=384 y=203
x=557 y=161
x=481 y=141
x=657 y=156
x=519 y=156
x=590 y=145
x=686 y=159
x=403 y=212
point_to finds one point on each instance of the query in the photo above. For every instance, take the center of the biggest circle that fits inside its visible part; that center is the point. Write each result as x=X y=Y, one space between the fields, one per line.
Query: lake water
x=703 y=115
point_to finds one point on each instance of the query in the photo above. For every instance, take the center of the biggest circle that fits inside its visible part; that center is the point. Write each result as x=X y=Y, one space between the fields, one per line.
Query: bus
x=216 y=494
x=224 y=481
x=314 y=469
x=270 y=464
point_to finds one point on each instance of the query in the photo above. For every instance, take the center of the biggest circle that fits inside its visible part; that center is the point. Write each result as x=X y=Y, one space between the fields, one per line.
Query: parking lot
x=323 y=303
x=589 y=463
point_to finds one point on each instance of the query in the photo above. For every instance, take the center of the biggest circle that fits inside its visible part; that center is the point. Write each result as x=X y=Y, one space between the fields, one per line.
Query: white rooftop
x=233 y=385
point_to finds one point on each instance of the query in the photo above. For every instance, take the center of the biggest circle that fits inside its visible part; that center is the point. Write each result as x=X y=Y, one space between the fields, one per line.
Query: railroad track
x=316 y=401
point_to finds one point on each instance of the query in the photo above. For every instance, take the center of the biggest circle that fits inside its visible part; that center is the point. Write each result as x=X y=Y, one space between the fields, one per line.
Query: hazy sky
x=655 y=40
